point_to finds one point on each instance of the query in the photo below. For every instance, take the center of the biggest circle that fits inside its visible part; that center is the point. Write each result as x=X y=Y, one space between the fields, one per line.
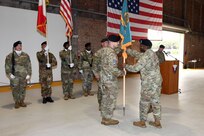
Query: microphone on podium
x=165 y=53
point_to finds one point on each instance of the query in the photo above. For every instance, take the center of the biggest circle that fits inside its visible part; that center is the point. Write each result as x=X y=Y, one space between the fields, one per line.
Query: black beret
x=43 y=43
x=114 y=38
x=16 y=44
x=66 y=43
x=162 y=46
x=87 y=44
x=146 y=42
x=104 y=40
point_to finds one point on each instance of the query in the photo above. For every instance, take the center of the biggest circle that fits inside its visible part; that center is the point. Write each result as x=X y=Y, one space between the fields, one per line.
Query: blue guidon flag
x=125 y=32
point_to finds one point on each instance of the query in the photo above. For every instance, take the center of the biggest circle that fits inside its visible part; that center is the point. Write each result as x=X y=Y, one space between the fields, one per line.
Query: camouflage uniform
x=67 y=73
x=96 y=70
x=109 y=82
x=85 y=64
x=45 y=75
x=22 y=68
x=160 y=56
x=151 y=80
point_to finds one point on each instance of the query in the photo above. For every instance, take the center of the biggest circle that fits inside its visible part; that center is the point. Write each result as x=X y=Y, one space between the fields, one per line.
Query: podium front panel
x=170 y=74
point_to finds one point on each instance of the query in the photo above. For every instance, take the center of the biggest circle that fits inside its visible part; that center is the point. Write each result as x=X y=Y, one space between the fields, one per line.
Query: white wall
x=19 y=24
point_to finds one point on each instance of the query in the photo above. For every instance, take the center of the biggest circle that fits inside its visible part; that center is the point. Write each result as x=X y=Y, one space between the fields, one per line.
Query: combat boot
x=22 y=104
x=49 y=99
x=139 y=124
x=156 y=124
x=90 y=93
x=109 y=121
x=85 y=94
x=17 y=105
x=66 y=97
x=44 y=101
x=71 y=96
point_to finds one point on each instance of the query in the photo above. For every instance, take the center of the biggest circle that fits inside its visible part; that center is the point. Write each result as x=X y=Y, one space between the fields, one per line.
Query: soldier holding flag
x=46 y=62
x=151 y=80
x=109 y=82
x=68 y=69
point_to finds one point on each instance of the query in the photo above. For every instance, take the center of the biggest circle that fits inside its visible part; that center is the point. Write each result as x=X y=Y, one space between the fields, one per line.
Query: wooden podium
x=170 y=74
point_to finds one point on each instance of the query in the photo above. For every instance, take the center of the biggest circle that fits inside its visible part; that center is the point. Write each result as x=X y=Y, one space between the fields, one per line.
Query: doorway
x=173 y=42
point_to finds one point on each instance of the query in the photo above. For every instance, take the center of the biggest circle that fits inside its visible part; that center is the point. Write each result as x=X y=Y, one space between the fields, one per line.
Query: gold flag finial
x=47 y=2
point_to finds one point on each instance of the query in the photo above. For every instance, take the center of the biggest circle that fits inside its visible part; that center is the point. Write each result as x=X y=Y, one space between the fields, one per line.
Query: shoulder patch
x=114 y=62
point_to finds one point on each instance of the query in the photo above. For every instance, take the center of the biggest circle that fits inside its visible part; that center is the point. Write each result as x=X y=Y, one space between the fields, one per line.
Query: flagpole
x=65 y=11
x=124 y=88
x=70 y=54
x=48 y=59
x=42 y=23
x=125 y=34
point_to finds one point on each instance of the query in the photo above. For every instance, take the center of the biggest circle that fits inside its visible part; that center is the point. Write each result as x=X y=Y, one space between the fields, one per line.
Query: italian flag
x=42 y=19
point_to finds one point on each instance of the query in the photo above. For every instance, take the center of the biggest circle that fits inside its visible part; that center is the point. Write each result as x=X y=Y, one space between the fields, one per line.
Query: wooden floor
x=182 y=114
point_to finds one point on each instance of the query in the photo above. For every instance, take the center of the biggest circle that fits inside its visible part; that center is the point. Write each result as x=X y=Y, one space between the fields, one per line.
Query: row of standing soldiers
x=18 y=70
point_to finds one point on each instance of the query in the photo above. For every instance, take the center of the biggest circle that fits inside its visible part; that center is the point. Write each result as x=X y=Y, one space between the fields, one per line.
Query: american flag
x=65 y=11
x=143 y=15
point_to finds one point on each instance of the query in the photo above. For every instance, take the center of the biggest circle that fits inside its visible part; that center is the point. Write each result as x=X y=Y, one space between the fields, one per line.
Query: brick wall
x=90 y=30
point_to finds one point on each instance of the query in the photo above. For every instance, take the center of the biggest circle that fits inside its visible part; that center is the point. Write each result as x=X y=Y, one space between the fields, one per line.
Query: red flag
x=143 y=15
x=65 y=11
x=42 y=19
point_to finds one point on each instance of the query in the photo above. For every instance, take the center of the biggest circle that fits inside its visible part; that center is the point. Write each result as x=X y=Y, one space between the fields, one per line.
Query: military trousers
x=18 y=87
x=150 y=95
x=99 y=93
x=46 y=89
x=67 y=82
x=87 y=80
x=109 y=97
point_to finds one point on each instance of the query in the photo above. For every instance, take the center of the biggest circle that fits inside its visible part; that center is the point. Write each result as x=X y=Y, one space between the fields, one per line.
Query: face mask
x=70 y=48
x=88 y=51
x=18 y=52
x=46 y=48
x=88 y=48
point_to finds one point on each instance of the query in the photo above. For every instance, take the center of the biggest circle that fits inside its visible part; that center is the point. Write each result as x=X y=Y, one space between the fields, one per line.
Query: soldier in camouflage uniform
x=109 y=82
x=160 y=54
x=45 y=72
x=18 y=69
x=151 y=80
x=97 y=68
x=85 y=69
x=68 y=70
